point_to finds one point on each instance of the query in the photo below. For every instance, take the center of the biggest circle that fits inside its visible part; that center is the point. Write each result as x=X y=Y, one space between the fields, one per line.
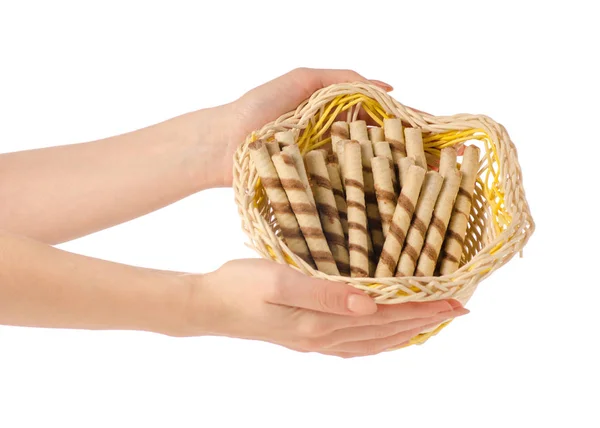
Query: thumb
x=301 y=291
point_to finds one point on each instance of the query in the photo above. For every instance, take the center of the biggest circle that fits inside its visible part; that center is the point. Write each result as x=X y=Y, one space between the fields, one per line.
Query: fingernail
x=462 y=311
x=385 y=86
x=361 y=304
x=455 y=303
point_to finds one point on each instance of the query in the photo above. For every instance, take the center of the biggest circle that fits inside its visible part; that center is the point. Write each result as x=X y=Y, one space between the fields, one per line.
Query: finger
x=318 y=325
x=371 y=332
x=292 y=288
x=375 y=346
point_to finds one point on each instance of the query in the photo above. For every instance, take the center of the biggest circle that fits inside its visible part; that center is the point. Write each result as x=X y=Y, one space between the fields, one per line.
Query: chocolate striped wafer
x=339 y=134
x=357 y=211
x=400 y=222
x=286 y=138
x=384 y=190
x=272 y=147
x=420 y=222
x=382 y=149
x=457 y=228
x=376 y=135
x=404 y=166
x=306 y=213
x=290 y=230
x=338 y=190
x=326 y=205
x=294 y=152
x=439 y=222
x=392 y=129
x=414 y=146
x=447 y=160
x=358 y=131
x=373 y=218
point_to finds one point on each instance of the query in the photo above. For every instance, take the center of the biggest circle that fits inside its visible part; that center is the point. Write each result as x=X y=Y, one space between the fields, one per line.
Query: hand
x=269 y=101
x=262 y=300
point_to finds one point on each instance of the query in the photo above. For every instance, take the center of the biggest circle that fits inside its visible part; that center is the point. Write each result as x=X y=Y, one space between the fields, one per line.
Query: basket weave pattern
x=500 y=220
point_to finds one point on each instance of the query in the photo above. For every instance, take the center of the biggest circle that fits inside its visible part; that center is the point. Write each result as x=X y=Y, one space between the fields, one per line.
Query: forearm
x=60 y=193
x=41 y=286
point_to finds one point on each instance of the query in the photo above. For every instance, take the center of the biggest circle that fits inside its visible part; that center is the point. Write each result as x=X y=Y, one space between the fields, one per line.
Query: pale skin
x=57 y=194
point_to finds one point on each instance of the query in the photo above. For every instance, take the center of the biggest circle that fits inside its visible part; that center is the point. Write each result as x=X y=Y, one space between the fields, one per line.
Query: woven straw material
x=500 y=222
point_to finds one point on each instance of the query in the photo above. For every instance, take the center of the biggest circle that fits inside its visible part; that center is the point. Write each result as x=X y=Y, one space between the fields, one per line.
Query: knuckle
x=329 y=300
x=310 y=328
x=300 y=70
x=275 y=284
x=274 y=291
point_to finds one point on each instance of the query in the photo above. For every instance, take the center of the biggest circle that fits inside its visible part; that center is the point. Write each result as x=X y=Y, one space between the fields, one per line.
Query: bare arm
x=41 y=286
x=61 y=193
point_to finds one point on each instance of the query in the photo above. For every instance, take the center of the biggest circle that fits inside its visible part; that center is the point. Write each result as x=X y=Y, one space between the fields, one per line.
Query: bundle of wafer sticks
x=372 y=204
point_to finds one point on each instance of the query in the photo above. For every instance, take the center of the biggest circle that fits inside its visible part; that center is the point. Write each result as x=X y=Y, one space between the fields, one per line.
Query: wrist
x=195 y=316
x=211 y=154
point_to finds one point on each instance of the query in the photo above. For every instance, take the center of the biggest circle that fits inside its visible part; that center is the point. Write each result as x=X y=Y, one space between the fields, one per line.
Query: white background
x=525 y=355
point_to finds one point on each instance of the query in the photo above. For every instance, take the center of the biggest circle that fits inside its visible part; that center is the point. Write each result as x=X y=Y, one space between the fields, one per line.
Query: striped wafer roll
x=357 y=211
x=376 y=134
x=432 y=160
x=272 y=147
x=382 y=148
x=328 y=212
x=420 y=222
x=404 y=166
x=400 y=222
x=392 y=129
x=373 y=218
x=282 y=210
x=384 y=191
x=339 y=131
x=439 y=222
x=286 y=138
x=294 y=152
x=453 y=244
x=338 y=190
x=339 y=134
x=414 y=146
x=358 y=131
x=447 y=160
x=306 y=213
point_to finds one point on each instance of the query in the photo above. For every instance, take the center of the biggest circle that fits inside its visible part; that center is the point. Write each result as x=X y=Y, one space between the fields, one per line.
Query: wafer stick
x=414 y=146
x=384 y=190
x=357 y=212
x=400 y=222
x=439 y=223
x=420 y=222
x=339 y=134
x=373 y=218
x=453 y=244
x=339 y=131
x=272 y=147
x=286 y=138
x=447 y=160
x=290 y=230
x=338 y=190
x=392 y=129
x=328 y=212
x=358 y=131
x=294 y=152
x=382 y=148
x=306 y=213
x=376 y=134
x=404 y=165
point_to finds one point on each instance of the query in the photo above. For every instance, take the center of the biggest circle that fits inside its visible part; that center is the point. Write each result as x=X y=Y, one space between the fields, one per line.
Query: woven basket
x=500 y=222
